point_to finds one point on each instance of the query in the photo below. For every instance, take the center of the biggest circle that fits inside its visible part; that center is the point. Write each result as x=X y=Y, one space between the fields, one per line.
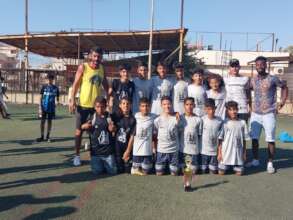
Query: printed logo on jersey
x=143 y=133
x=96 y=80
x=104 y=138
x=181 y=96
x=190 y=138
x=121 y=137
x=172 y=134
x=122 y=94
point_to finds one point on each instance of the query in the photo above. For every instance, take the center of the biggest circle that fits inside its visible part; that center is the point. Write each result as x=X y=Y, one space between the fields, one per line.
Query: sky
x=260 y=16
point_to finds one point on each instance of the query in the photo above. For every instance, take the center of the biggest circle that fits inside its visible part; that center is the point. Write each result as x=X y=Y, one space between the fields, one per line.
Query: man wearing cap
x=264 y=109
x=238 y=90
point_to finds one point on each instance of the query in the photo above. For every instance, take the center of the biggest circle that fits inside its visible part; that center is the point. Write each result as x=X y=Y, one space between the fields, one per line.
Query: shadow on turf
x=34 y=118
x=34 y=168
x=209 y=185
x=65 y=178
x=34 y=150
x=33 y=141
x=52 y=213
x=283 y=160
x=10 y=202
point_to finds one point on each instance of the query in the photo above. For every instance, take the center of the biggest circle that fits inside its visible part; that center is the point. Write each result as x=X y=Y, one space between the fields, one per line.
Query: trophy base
x=187 y=188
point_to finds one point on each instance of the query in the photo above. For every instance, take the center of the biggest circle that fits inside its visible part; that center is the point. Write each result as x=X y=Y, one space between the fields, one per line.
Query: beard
x=262 y=72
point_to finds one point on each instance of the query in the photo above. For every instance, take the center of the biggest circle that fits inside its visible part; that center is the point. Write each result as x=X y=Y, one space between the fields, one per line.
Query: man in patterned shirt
x=264 y=109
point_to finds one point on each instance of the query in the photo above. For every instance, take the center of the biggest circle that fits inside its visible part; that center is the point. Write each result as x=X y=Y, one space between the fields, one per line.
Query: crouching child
x=101 y=131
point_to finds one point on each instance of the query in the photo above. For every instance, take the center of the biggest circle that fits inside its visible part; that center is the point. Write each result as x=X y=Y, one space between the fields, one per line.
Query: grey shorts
x=82 y=115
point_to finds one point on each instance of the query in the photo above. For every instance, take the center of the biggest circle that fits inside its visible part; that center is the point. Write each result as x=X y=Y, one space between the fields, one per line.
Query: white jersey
x=236 y=87
x=179 y=94
x=219 y=102
x=142 y=89
x=199 y=95
x=233 y=134
x=190 y=128
x=142 y=145
x=210 y=135
x=160 y=87
x=167 y=131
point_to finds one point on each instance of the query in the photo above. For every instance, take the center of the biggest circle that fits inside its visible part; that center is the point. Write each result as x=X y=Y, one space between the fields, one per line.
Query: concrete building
x=218 y=61
x=8 y=57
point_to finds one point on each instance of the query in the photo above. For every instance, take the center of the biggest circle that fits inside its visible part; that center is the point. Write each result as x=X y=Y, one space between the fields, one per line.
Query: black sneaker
x=40 y=139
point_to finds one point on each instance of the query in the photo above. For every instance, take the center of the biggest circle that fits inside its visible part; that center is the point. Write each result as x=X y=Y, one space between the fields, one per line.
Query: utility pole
x=129 y=14
x=181 y=31
x=92 y=15
x=151 y=40
x=26 y=61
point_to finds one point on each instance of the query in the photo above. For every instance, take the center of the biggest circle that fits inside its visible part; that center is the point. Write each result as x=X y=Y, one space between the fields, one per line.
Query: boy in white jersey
x=217 y=92
x=161 y=86
x=212 y=126
x=238 y=90
x=180 y=89
x=141 y=141
x=142 y=86
x=232 y=142
x=166 y=126
x=197 y=91
x=190 y=131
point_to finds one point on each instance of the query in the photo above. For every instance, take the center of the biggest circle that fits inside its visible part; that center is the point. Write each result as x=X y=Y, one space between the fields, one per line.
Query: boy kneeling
x=101 y=129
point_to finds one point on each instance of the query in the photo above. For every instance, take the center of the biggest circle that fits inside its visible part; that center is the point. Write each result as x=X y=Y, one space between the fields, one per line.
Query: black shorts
x=82 y=115
x=48 y=115
x=243 y=116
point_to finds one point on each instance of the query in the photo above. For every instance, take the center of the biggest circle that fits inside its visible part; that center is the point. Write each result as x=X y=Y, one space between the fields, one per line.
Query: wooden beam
x=115 y=43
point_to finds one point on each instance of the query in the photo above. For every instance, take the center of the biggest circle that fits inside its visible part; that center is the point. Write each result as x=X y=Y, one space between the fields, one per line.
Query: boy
x=212 y=126
x=49 y=93
x=125 y=125
x=237 y=89
x=217 y=92
x=197 y=91
x=101 y=130
x=141 y=141
x=232 y=142
x=3 y=106
x=121 y=88
x=166 y=126
x=190 y=134
x=180 y=89
x=161 y=86
x=142 y=86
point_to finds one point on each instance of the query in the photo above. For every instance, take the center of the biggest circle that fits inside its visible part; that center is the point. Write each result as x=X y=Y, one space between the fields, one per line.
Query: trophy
x=187 y=174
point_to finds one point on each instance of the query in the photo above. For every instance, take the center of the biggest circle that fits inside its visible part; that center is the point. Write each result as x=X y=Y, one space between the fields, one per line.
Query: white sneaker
x=270 y=168
x=253 y=163
x=76 y=161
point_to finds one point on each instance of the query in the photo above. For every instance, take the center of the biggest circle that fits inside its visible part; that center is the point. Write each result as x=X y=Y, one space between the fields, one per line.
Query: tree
x=289 y=49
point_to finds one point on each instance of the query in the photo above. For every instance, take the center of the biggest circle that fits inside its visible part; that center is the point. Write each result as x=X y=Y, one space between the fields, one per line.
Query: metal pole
x=129 y=12
x=221 y=39
x=151 y=40
x=26 y=61
x=181 y=32
x=247 y=41
x=92 y=15
x=78 y=48
x=273 y=42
